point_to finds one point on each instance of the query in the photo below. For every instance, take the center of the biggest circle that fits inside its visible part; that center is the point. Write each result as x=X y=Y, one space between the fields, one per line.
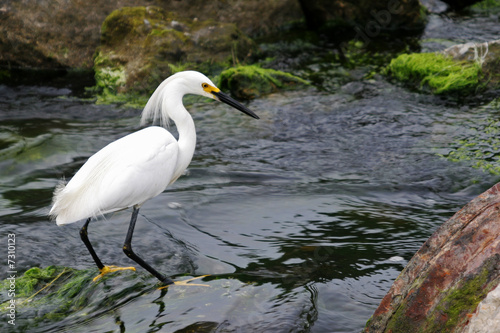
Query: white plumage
x=125 y=173
x=139 y=166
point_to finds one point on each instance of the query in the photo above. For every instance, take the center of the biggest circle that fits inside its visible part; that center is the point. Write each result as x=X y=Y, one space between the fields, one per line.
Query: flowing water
x=303 y=218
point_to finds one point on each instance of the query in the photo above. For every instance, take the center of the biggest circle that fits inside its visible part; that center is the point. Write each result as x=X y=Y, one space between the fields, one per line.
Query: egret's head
x=201 y=85
x=196 y=83
x=160 y=107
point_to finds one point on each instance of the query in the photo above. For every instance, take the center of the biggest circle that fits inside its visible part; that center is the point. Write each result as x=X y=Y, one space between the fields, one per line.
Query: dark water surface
x=303 y=218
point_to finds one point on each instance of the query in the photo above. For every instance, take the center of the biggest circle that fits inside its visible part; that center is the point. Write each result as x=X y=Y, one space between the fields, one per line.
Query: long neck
x=187 y=134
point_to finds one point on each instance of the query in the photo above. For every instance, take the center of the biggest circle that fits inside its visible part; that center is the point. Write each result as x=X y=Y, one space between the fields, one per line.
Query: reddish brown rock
x=440 y=288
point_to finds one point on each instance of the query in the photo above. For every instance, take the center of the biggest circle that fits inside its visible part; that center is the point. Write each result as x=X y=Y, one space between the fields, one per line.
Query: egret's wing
x=126 y=172
x=145 y=170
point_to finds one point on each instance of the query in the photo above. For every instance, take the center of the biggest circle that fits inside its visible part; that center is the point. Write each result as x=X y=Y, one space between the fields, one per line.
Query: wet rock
x=452 y=278
x=253 y=17
x=50 y=34
x=460 y=69
x=487 y=314
x=369 y=18
x=249 y=82
x=460 y=4
x=141 y=46
x=53 y=34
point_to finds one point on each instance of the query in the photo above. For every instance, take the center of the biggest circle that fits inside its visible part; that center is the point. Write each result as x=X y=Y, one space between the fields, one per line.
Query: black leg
x=127 y=248
x=85 y=238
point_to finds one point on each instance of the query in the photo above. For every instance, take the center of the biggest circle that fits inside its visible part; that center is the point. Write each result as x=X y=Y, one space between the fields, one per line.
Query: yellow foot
x=186 y=283
x=109 y=269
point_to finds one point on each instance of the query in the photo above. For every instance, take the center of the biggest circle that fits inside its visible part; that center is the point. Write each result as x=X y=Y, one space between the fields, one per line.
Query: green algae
x=494 y=104
x=51 y=292
x=441 y=74
x=480 y=147
x=251 y=81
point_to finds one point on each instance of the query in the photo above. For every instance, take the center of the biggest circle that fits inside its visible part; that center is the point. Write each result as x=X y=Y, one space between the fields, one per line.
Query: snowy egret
x=129 y=171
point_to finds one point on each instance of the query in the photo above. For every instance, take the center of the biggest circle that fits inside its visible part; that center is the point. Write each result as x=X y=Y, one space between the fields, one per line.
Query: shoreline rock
x=54 y=35
x=141 y=46
x=443 y=284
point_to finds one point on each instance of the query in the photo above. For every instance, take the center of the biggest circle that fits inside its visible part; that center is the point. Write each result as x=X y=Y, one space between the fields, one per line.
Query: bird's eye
x=204 y=85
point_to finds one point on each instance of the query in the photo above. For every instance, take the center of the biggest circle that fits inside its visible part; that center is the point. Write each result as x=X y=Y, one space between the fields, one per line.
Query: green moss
x=248 y=82
x=441 y=74
x=450 y=307
x=400 y=322
x=142 y=46
x=130 y=21
x=110 y=78
x=481 y=147
x=460 y=301
x=453 y=308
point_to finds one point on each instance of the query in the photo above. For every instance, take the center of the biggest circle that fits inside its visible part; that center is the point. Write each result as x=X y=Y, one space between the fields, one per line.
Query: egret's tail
x=67 y=206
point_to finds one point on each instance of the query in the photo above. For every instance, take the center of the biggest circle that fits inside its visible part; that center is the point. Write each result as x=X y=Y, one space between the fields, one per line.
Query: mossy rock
x=441 y=287
x=249 y=82
x=142 y=46
x=452 y=308
x=436 y=72
x=485 y=55
x=462 y=69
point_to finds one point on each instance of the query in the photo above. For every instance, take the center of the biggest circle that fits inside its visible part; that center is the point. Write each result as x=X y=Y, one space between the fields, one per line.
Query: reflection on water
x=303 y=218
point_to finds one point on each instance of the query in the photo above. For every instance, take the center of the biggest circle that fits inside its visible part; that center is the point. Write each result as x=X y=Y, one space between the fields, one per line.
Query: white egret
x=129 y=171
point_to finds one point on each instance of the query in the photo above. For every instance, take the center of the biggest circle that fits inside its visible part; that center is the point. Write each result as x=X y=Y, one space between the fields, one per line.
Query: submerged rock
x=451 y=279
x=460 y=69
x=249 y=82
x=44 y=295
x=55 y=299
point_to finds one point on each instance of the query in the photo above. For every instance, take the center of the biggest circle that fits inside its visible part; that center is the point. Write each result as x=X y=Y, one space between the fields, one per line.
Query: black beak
x=234 y=103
